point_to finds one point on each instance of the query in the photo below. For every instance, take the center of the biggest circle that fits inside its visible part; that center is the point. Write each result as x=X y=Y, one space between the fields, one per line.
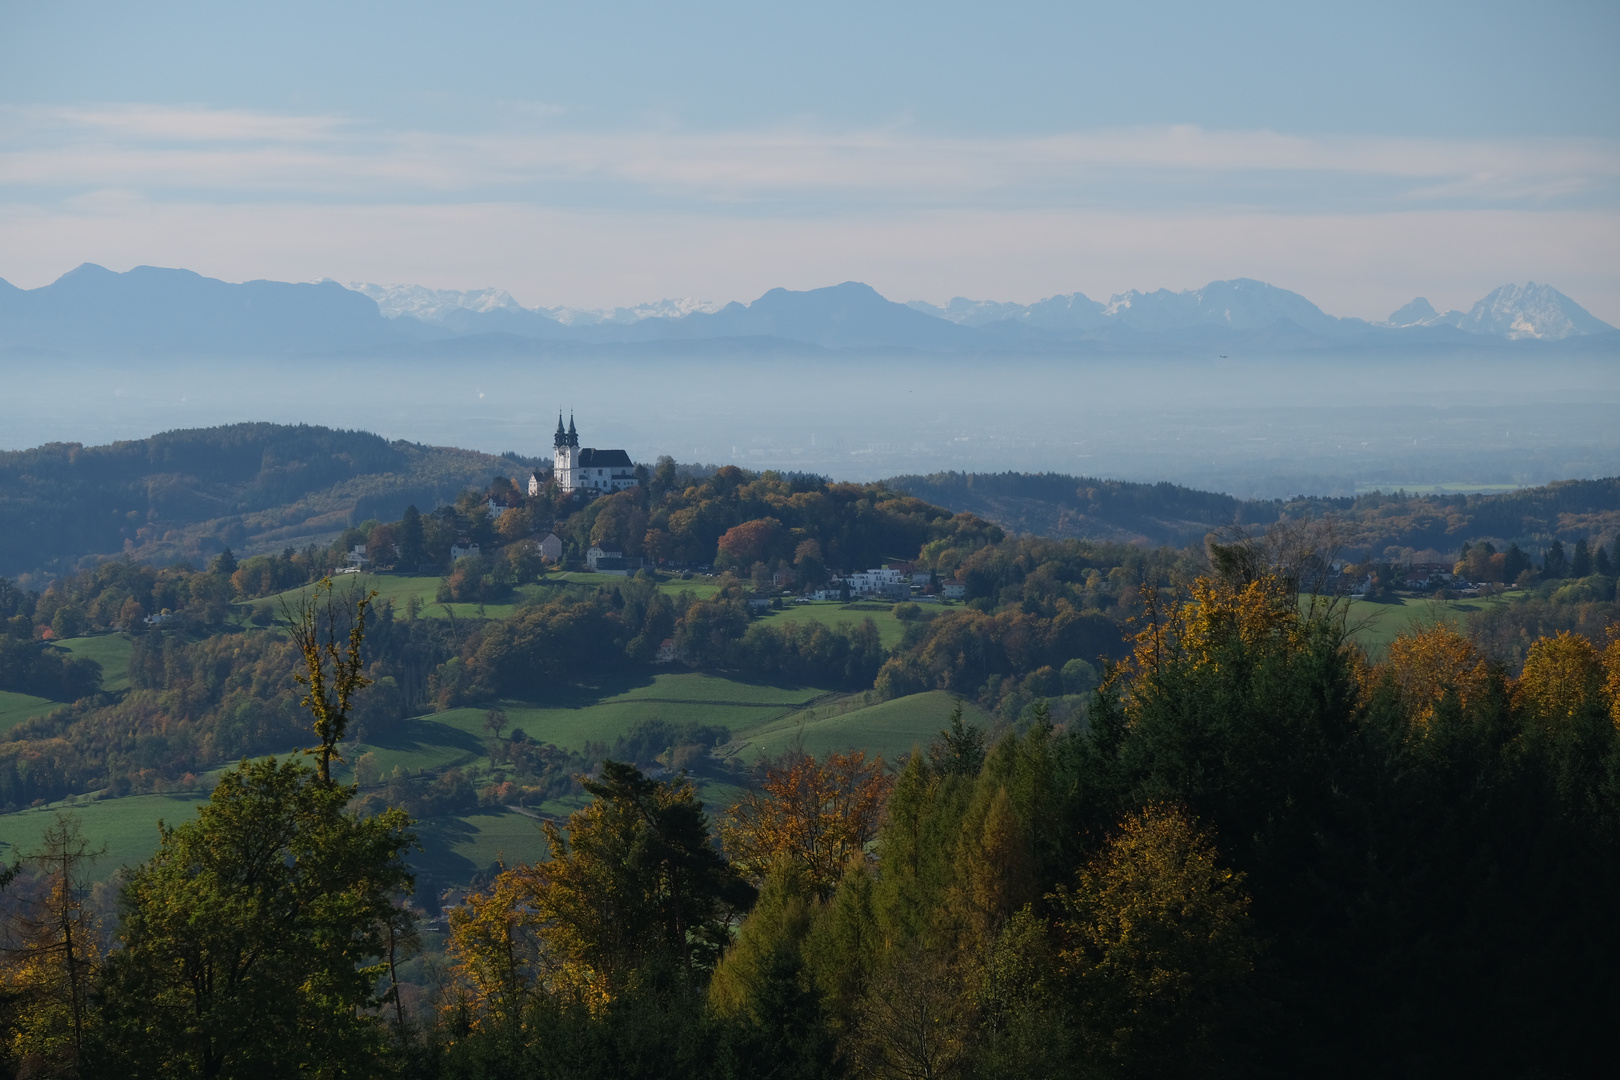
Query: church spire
x=562 y=436
x=573 y=436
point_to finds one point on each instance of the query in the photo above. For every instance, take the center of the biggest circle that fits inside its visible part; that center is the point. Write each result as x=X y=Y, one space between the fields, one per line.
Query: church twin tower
x=586 y=471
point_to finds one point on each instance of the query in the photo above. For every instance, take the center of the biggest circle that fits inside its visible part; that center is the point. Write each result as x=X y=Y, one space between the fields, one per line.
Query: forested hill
x=188 y=494
x=1374 y=525
x=1087 y=508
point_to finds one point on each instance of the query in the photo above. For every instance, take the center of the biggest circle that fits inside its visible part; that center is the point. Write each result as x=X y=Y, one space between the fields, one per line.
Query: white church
x=586 y=471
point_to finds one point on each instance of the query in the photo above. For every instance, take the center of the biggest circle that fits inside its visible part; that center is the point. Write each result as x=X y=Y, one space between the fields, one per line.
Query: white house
x=461 y=551
x=357 y=557
x=551 y=548
x=893 y=584
x=594 y=557
x=953 y=590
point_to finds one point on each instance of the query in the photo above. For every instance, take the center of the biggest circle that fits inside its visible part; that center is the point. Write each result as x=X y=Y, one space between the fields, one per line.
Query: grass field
x=1374 y=626
x=762 y=718
x=454 y=848
x=15 y=708
x=127 y=826
x=400 y=590
x=677 y=697
x=831 y=612
x=111 y=651
x=890 y=728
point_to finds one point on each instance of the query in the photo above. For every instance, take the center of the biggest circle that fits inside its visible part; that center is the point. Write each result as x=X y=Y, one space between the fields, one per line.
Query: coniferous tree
x=1555 y=564
x=1515 y=562
x=411 y=550
x=1580 y=563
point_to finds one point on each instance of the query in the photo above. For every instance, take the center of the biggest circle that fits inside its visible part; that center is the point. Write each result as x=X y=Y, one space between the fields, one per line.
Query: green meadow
x=1375 y=625
x=110 y=650
x=831 y=612
x=126 y=826
x=399 y=589
x=763 y=719
x=15 y=708
x=890 y=728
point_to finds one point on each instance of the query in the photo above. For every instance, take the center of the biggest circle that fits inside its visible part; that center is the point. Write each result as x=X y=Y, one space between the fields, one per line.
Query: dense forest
x=1260 y=852
x=1377 y=526
x=189 y=494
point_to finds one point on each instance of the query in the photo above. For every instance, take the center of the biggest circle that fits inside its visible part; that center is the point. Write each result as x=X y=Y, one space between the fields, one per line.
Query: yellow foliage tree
x=495 y=953
x=1429 y=662
x=1156 y=938
x=1218 y=614
x=1611 y=669
x=633 y=891
x=1562 y=676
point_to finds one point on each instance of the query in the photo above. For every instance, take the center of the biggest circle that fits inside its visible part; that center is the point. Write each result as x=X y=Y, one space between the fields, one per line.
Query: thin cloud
x=226 y=154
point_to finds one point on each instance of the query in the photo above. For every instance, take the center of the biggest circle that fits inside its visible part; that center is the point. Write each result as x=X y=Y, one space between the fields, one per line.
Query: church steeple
x=573 y=436
x=562 y=436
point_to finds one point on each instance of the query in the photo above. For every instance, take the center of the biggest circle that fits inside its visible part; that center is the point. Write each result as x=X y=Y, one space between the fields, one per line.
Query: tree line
x=1261 y=852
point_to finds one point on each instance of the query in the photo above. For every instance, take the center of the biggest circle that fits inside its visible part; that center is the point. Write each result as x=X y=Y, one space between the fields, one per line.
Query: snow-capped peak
x=1531 y=311
x=669 y=308
x=433 y=305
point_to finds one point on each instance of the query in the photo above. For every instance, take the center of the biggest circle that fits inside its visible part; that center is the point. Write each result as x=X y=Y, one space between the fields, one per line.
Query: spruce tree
x=1515 y=563
x=1580 y=564
x=1556 y=563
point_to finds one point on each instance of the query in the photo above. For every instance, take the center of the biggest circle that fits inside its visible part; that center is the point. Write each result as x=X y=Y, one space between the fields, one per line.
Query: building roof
x=590 y=458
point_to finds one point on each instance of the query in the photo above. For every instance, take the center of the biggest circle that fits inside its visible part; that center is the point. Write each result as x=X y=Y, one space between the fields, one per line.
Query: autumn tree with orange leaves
x=819 y=814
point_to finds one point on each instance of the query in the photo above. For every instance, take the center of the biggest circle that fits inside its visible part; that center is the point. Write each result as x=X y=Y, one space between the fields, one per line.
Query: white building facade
x=586 y=469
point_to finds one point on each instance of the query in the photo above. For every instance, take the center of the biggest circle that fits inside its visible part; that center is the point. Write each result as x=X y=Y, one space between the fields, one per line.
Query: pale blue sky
x=612 y=153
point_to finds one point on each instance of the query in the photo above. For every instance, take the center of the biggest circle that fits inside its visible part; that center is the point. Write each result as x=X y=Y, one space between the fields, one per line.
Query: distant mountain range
x=94 y=310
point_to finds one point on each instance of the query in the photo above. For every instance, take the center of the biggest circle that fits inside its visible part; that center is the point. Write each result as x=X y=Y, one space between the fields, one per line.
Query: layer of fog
x=1319 y=423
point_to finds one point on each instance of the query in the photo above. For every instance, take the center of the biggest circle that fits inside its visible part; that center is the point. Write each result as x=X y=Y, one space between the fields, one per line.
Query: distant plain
x=1320 y=422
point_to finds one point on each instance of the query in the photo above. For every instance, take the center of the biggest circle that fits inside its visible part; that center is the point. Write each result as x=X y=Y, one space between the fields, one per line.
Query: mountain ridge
x=151 y=309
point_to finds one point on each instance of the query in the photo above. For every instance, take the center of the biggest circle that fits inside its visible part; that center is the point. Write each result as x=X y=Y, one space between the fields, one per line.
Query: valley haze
x=1240 y=386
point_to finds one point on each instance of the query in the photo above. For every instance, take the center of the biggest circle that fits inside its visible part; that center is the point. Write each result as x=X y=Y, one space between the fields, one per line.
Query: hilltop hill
x=263 y=487
x=189 y=494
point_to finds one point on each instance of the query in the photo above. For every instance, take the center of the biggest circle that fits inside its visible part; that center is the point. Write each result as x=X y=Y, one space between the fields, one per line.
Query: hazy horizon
x=1320 y=426
x=595 y=158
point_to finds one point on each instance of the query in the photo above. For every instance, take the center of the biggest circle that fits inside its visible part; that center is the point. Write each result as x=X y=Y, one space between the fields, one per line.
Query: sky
x=611 y=153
